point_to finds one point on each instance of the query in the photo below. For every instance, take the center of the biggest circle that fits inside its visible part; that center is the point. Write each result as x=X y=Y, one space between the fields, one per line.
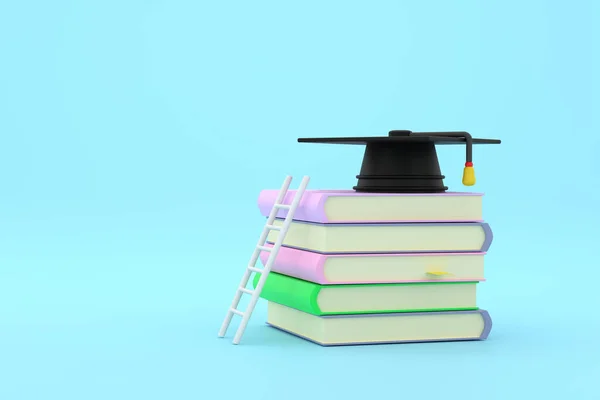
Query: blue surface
x=121 y=243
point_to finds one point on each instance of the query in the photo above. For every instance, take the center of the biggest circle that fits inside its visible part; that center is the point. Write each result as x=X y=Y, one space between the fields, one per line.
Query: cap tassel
x=468 y=174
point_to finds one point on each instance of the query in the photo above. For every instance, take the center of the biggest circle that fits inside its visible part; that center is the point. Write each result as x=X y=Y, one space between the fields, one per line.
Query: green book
x=316 y=299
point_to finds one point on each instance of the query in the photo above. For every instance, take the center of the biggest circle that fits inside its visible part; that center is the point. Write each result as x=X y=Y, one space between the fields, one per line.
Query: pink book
x=348 y=206
x=336 y=269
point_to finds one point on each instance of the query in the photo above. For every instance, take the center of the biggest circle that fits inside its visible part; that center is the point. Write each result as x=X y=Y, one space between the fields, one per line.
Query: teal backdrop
x=136 y=136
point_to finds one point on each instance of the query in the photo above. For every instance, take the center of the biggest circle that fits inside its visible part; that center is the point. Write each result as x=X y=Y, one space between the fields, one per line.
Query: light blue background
x=136 y=136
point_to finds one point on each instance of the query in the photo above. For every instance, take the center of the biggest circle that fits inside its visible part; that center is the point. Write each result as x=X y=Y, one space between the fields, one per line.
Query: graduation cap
x=405 y=161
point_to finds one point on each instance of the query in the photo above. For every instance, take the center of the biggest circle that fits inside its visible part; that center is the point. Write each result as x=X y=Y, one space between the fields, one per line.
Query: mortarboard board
x=405 y=161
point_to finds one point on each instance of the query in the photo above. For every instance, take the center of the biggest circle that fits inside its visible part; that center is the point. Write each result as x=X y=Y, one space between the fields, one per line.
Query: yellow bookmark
x=438 y=273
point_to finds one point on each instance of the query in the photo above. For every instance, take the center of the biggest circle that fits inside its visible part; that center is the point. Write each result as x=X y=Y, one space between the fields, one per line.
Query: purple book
x=374 y=238
x=345 y=330
x=347 y=206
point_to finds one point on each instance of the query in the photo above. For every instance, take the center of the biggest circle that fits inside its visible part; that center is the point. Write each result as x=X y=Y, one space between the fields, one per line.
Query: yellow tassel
x=468 y=175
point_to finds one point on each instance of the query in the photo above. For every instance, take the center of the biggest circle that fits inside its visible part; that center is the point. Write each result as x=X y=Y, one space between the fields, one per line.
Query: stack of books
x=365 y=268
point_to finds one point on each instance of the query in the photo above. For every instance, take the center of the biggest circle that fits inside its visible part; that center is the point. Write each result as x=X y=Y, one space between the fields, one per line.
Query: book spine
x=311 y=207
x=489 y=236
x=487 y=324
x=300 y=264
x=290 y=292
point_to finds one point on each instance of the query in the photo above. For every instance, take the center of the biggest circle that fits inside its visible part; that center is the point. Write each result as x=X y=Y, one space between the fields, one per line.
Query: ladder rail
x=278 y=205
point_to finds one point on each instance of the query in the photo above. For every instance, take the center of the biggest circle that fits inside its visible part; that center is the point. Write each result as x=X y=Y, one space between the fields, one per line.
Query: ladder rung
x=283 y=206
x=238 y=312
x=264 y=248
x=254 y=269
x=247 y=291
x=273 y=227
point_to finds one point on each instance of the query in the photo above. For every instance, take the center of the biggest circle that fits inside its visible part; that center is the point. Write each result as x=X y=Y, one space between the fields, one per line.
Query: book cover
x=346 y=330
x=317 y=299
x=432 y=237
x=343 y=206
x=328 y=269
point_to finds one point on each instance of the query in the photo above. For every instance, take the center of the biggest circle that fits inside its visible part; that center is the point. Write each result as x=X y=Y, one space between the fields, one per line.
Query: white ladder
x=272 y=256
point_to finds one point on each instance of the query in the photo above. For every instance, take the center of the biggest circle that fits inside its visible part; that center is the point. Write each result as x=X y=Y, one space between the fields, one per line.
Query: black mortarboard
x=405 y=161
